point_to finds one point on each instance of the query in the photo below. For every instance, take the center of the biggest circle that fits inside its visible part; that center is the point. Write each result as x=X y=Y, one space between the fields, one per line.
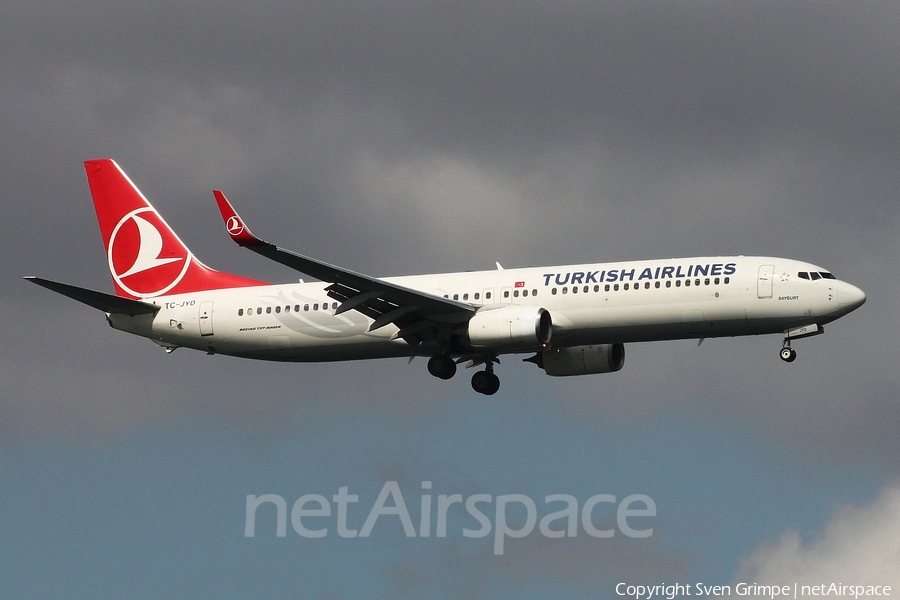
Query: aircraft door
x=206 y=323
x=765 y=281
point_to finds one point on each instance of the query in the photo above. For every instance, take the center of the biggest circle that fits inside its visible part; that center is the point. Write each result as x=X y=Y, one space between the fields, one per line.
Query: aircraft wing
x=105 y=302
x=414 y=312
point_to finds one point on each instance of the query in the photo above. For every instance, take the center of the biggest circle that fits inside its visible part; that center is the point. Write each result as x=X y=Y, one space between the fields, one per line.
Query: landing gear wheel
x=788 y=354
x=442 y=366
x=485 y=383
x=494 y=386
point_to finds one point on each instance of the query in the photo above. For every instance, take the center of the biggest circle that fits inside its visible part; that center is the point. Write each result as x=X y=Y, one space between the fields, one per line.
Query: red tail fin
x=146 y=258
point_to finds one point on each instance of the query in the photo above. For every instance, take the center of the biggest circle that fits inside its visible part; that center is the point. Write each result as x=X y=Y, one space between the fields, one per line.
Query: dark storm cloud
x=399 y=138
x=477 y=77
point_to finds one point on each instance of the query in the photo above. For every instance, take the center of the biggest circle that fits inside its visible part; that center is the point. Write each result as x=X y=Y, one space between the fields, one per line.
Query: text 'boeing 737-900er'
x=572 y=319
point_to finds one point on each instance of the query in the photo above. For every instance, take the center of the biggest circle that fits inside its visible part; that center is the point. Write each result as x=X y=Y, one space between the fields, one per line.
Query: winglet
x=234 y=224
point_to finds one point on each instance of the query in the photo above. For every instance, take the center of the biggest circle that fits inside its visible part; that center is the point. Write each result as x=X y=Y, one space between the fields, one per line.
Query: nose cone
x=850 y=297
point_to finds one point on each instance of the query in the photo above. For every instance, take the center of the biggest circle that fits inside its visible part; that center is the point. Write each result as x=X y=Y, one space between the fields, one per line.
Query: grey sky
x=403 y=138
x=408 y=137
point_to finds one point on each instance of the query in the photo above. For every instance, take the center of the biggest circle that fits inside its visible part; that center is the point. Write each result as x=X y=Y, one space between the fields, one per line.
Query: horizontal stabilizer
x=105 y=302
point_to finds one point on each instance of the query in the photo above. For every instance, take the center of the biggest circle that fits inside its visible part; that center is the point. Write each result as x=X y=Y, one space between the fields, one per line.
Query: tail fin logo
x=145 y=259
x=234 y=226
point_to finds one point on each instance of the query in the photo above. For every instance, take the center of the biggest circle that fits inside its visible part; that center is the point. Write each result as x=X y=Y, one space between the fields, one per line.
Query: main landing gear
x=484 y=382
x=442 y=366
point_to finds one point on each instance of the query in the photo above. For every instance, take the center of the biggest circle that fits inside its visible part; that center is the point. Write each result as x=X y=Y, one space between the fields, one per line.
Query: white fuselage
x=589 y=304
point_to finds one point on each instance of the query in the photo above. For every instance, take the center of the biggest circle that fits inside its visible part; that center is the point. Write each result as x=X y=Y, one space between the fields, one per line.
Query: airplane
x=571 y=319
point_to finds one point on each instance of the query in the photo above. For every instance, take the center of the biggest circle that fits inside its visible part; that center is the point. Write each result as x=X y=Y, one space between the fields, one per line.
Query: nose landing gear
x=788 y=354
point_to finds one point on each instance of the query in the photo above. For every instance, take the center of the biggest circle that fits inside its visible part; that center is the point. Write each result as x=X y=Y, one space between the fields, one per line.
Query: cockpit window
x=813 y=275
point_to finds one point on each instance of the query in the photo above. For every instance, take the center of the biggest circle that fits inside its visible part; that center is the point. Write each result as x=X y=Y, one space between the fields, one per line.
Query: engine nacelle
x=583 y=360
x=510 y=327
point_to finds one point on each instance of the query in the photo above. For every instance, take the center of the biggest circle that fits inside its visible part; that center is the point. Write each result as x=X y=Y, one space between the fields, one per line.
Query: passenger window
x=647 y=285
x=553 y=292
x=534 y=292
x=606 y=288
x=456 y=296
x=259 y=310
x=596 y=288
x=706 y=281
x=574 y=289
x=278 y=310
x=240 y=312
x=565 y=290
x=296 y=308
x=465 y=296
x=687 y=283
x=516 y=294
x=625 y=286
x=669 y=283
x=506 y=294
x=616 y=288
x=727 y=280
x=716 y=281
x=268 y=310
x=524 y=293
x=656 y=285
x=477 y=295
x=316 y=306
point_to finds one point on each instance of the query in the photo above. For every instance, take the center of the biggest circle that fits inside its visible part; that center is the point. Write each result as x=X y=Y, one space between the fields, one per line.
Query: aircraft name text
x=182 y=304
x=260 y=328
x=647 y=274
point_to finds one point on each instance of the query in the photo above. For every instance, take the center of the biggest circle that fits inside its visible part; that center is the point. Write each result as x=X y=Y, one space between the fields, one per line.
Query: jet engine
x=581 y=360
x=510 y=327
